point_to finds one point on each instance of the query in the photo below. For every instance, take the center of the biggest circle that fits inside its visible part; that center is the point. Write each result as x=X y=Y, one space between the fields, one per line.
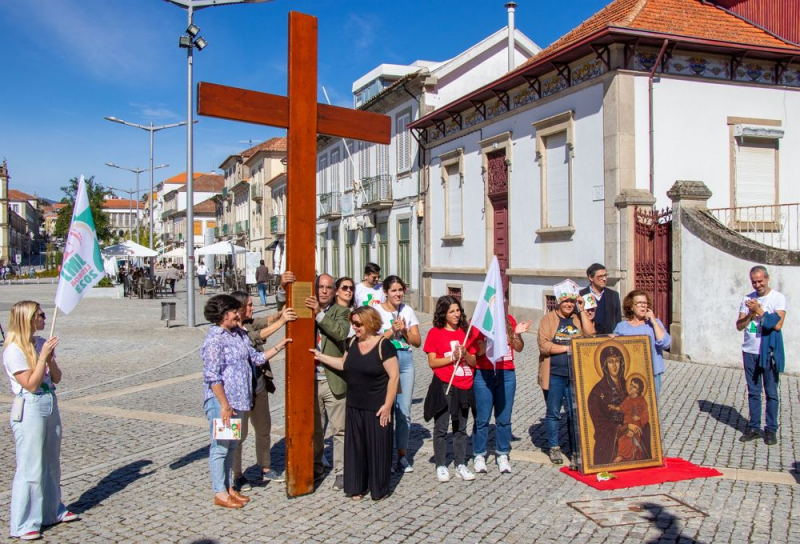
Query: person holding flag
x=452 y=365
x=494 y=387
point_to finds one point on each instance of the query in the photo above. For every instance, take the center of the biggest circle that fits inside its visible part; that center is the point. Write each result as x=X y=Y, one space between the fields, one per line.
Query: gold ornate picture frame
x=615 y=404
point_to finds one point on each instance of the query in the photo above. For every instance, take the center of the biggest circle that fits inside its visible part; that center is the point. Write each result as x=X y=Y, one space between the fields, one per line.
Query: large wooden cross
x=303 y=118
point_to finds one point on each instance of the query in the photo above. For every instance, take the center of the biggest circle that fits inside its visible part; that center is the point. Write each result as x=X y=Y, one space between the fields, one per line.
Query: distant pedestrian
x=31 y=366
x=262 y=282
x=31 y=273
x=761 y=317
x=172 y=276
x=607 y=313
x=202 y=276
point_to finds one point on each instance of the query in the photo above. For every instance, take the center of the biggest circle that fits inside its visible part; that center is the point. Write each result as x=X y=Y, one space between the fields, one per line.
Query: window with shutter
x=335 y=170
x=323 y=175
x=363 y=160
x=454 y=203
x=404 y=249
x=557 y=180
x=403 y=142
x=383 y=159
x=755 y=172
x=349 y=173
x=383 y=245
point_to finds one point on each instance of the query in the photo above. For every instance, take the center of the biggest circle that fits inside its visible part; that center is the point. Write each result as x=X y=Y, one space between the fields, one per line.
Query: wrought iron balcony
x=166 y=214
x=377 y=192
x=277 y=224
x=256 y=191
x=330 y=205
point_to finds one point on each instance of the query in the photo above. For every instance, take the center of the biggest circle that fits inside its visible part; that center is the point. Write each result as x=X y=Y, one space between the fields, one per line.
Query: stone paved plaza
x=135 y=462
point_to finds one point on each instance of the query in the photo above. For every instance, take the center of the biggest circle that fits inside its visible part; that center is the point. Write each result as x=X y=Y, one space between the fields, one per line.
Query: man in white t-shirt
x=752 y=312
x=370 y=292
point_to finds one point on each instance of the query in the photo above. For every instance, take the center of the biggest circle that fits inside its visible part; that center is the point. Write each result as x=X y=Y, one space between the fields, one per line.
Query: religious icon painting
x=615 y=403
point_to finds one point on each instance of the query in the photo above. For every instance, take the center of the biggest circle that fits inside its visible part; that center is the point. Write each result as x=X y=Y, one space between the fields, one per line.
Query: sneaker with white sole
x=442 y=474
x=31 y=535
x=479 y=464
x=69 y=517
x=464 y=473
x=503 y=464
x=403 y=465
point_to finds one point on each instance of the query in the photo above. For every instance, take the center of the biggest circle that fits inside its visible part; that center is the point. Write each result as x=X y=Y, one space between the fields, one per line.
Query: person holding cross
x=333 y=326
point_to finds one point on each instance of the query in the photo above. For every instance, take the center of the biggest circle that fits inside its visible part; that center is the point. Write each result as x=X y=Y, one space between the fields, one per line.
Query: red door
x=498 y=196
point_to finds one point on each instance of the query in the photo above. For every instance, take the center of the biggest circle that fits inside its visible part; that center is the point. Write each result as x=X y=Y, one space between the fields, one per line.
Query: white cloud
x=361 y=29
x=155 y=112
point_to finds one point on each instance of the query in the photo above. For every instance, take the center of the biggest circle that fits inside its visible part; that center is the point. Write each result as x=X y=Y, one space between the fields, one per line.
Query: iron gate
x=653 y=258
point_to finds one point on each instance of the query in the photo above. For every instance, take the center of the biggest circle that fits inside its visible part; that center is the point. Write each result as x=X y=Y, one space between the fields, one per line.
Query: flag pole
x=53 y=323
x=464 y=345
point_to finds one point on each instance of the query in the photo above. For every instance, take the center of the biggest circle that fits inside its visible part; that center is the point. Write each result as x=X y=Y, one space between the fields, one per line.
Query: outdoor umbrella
x=220 y=248
x=128 y=248
x=178 y=252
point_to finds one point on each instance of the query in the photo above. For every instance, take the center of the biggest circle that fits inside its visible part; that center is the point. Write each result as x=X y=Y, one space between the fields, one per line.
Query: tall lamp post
x=151 y=129
x=138 y=171
x=191 y=40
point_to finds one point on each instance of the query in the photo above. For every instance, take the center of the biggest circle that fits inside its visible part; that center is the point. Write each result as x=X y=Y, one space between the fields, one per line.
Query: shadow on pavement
x=115 y=482
x=668 y=524
x=795 y=472
x=189 y=458
x=724 y=414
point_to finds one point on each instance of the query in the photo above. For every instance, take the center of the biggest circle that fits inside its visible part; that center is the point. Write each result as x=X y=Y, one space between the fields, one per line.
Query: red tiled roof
x=13 y=194
x=181 y=178
x=208 y=183
x=273 y=144
x=689 y=18
x=121 y=203
x=207 y=207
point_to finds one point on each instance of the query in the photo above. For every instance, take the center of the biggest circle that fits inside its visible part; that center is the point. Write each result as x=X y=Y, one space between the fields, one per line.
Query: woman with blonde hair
x=31 y=366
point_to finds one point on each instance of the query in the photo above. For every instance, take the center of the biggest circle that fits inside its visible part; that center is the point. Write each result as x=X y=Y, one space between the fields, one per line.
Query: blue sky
x=68 y=63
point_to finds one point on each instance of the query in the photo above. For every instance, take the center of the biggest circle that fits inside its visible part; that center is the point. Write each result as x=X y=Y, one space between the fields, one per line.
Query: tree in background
x=96 y=193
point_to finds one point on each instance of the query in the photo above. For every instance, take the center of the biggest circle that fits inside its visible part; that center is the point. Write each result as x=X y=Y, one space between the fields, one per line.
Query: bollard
x=167 y=312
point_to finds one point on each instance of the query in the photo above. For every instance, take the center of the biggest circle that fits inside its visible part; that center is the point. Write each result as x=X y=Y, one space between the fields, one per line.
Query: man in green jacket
x=333 y=326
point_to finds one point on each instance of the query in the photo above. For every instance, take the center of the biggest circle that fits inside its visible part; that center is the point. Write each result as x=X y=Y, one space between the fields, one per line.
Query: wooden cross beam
x=304 y=119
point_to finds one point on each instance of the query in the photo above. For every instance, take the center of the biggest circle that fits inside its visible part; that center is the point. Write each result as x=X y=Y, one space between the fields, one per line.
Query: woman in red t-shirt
x=449 y=358
x=494 y=389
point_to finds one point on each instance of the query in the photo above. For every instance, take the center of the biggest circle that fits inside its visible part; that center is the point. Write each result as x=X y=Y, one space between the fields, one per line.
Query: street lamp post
x=138 y=171
x=151 y=129
x=189 y=41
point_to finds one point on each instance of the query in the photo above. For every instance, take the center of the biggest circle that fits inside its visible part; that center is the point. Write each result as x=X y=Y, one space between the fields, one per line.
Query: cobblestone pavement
x=134 y=457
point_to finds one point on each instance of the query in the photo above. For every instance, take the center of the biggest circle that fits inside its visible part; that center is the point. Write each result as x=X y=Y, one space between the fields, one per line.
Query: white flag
x=490 y=317
x=82 y=266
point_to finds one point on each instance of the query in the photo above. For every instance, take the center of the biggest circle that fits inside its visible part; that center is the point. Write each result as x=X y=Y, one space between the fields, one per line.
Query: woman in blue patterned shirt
x=228 y=383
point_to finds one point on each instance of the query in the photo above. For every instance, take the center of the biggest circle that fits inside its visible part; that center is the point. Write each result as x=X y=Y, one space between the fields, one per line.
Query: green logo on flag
x=488 y=320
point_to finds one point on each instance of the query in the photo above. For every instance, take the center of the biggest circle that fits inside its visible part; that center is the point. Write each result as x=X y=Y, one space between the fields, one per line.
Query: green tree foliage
x=96 y=194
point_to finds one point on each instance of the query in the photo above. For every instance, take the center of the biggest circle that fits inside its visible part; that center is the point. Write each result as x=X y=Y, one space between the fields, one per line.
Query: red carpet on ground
x=675 y=469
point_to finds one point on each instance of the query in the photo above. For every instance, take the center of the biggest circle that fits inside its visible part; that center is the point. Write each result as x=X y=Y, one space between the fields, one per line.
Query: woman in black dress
x=372 y=374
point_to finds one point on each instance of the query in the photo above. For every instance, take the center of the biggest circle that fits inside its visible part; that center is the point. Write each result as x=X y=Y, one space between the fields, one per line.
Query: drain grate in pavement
x=631 y=510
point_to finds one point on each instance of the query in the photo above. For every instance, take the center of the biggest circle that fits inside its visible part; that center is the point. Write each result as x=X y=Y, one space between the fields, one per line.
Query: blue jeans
x=262 y=293
x=754 y=376
x=493 y=390
x=402 y=404
x=657 y=379
x=220 y=454
x=36 y=491
x=559 y=392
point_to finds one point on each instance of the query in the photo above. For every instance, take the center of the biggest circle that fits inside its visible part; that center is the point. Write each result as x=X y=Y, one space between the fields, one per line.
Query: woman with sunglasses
x=637 y=306
x=401 y=327
x=31 y=366
x=345 y=289
x=370 y=369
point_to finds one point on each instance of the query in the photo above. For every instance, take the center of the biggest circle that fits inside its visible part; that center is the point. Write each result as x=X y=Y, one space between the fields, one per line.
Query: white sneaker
x=464 y=473
x=503 y=464
x=479 y=464
x=442 y=474
x=404 y=465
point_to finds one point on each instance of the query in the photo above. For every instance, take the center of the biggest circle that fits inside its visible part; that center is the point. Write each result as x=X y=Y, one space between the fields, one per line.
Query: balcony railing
x=166 y=214
x=277 y=224
x=330 y=205
x=256 y=191
x=776 y=226
x=377 y=192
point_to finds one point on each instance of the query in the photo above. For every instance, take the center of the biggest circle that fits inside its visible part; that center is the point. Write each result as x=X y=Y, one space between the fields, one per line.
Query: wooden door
x=498 y=196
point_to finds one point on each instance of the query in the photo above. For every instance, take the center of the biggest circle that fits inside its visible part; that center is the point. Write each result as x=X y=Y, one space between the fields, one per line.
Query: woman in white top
x=401 y=326
x=32 y=370
x=202 y=276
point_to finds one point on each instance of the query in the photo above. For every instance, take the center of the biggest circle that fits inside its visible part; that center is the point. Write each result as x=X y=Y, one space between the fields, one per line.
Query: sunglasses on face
x=41 y=314
x=346 y=287
x=357 y=324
